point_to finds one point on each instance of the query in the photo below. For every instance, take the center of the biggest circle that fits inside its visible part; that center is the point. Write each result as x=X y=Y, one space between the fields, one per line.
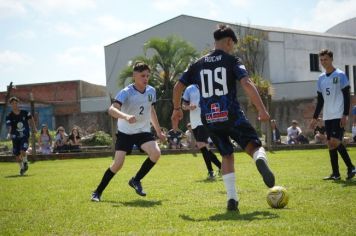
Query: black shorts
x=333 y=129
x=125 y=142
x=19 y=144
x=201 y=134
x=242 y=133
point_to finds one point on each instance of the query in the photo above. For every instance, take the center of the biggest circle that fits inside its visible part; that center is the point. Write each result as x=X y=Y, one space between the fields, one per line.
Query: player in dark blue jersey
x=216 y=74
x=18 y=123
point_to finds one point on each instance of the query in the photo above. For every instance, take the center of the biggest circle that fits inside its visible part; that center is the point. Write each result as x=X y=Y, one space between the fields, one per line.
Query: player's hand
x=161 y=136
x=131 y=119
x=192 y=107
x=263 y=116
x=313 y=123
x=343 y=121
x=177 y=115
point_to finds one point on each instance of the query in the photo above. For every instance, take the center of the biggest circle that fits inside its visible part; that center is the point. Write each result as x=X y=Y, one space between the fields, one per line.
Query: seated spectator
x=45 y=140
x=294 y=134
x=61 y=141
x=174 y=138
x=190 y=137
x=276 y=135
x=320 y=132
x=74 y=140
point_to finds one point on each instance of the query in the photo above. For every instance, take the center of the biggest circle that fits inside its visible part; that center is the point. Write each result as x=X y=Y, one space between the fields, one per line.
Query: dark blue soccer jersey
x=19 y=124
x=216 y=74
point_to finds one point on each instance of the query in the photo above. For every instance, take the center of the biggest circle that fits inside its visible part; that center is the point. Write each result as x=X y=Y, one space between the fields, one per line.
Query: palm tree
x=168 y=58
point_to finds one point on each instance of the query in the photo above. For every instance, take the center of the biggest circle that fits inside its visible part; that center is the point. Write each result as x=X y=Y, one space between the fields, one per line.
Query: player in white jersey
x=334 y=99
x=191 y=98
x=133 y=107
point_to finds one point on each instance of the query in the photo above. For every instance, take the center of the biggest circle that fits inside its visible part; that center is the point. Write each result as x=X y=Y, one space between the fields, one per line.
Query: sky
x=58 y=40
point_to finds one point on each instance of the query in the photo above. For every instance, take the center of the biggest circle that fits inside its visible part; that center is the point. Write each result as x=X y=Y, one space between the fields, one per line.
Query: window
x=314 y=62
x=347 y=71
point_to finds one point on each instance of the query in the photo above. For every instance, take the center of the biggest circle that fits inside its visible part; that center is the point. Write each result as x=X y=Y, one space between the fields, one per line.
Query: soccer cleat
x=137 y=186
x=232 y=205
x=351 y=173
x=332 y=177
x=211 y=175
x=266 y=173
x=95 y=197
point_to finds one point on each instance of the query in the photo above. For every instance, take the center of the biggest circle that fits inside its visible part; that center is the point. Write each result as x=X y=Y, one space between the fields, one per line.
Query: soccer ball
x=277 y=197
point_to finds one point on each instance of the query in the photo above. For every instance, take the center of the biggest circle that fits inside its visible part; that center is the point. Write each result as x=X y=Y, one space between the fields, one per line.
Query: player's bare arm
x=115 y=112
x=255 y=98
x=177 y=94
x=155 y=123
x=188 y=107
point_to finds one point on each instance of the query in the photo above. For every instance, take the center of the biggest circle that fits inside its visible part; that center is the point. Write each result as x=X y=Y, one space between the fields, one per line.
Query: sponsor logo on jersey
x=335 y=80
x=150 y=97
x=216 y=114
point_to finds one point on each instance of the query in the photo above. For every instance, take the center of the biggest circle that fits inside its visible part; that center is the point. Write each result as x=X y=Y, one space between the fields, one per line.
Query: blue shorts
x=333 y=129
x=125 y=142
x=242 y=134
x=19 y=144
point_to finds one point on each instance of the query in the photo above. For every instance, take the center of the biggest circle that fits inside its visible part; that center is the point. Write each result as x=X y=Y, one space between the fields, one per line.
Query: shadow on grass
x=209 y=180
x=346 y=183
x=256 y=215
x=16 y=176
x=137 y=203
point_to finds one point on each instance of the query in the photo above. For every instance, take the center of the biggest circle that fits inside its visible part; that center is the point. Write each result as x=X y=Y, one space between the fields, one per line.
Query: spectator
x=45 y=140
x=174 y=138
x=320 y=132
x=61 y=140
x=74 y=140
x=354 y=123
x=293 y=133
x=276 y=135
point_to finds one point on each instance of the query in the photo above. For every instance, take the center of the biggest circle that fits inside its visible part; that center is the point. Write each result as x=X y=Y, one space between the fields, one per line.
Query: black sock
x=214 y=159
x=345 y=156
x=105 y=181
x=334 y=162
x=206 y=157
x=145 y=168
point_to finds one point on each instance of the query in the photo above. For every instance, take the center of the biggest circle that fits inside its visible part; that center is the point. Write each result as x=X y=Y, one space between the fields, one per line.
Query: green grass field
x=53 y=198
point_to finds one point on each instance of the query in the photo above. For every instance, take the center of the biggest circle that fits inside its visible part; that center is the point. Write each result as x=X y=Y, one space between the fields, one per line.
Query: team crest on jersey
x=335 y=80
x=216 y=115
x=150 y=97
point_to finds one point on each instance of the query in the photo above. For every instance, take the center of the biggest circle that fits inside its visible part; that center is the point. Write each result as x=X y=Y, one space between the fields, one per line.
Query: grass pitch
x=54 y=198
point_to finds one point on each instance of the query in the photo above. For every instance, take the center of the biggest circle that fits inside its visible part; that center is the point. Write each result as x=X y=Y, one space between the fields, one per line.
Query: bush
x=99 y=138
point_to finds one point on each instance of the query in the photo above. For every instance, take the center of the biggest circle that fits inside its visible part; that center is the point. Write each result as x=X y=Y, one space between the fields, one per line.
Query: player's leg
x=109 y=174
x=205 y=152
x=332 y=146
x=246 y=136
x=16 y=150
x=148 y=144
x=226 y=149
x=23 y=153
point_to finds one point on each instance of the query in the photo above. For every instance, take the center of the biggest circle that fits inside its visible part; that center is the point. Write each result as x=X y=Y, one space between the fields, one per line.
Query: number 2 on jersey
x=208 y=77
x=141 y=110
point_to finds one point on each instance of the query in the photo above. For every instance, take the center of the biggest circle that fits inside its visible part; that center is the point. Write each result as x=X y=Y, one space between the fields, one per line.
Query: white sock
x=24 y=158
x=229 y=181
x=260 y=154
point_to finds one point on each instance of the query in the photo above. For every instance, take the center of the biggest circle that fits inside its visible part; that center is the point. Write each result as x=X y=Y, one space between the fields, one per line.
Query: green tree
x=168 y=58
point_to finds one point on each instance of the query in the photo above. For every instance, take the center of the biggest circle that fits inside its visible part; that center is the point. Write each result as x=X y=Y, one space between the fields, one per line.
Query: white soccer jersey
x=138 y=104
x=331 y=86
x=192 y=96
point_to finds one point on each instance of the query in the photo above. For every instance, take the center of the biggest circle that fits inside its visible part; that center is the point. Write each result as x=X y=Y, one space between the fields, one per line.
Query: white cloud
x=80 y=56
x=171 y=5
x=240 y=3
x=322 y=18
x=67 y=29
x=63 y=6
x=25 y=35
x=9 y=8
x=10 y=60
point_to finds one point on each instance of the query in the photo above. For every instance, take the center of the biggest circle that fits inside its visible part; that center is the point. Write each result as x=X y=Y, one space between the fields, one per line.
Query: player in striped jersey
x=133 y=107
x=333 y=91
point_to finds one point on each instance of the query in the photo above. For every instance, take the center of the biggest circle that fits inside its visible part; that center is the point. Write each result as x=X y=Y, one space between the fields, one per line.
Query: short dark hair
x=13 y=99
x=328 y=52
x=224 y=31
x=140 y=66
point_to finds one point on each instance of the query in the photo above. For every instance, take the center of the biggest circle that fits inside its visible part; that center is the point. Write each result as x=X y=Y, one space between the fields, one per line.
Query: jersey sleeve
x=239 y=69
x=28 y=115
x=186 y=96
x=344 y=81
x=121 y=97
x=8 y=121
x=187 y=76
x=318 y=86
